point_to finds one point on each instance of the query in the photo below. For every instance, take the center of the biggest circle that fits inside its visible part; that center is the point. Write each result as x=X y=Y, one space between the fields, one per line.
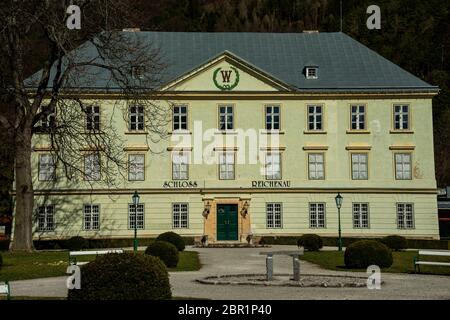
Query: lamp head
x=338 y=199
x=135 y=198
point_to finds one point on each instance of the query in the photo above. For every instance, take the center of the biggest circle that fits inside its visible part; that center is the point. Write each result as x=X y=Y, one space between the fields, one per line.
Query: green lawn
x=403 y=262
x=42 y=264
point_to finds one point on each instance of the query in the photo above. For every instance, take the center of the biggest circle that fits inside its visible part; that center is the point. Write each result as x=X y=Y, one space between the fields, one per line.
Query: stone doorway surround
x=210 y=219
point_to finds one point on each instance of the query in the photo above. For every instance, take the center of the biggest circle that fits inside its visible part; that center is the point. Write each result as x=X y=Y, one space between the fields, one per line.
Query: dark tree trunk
x=23 y=217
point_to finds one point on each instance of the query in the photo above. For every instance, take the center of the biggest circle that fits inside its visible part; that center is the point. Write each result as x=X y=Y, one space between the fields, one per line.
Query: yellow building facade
x=247 y=154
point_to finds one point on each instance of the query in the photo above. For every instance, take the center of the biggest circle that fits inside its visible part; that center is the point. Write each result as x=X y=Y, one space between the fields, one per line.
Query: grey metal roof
x=345 y=65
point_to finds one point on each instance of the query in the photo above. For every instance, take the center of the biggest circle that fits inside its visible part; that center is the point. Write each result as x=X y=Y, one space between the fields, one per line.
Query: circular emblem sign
x=226 y=79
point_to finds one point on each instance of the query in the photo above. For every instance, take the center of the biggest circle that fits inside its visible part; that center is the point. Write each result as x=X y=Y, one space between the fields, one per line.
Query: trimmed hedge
x=395 y=242
x=173 y=238
x=311 y=242
x=164 y=250
x=96 y=243
x=364 y=253
x=331 y=241
x=123 y=276
x=77 y=243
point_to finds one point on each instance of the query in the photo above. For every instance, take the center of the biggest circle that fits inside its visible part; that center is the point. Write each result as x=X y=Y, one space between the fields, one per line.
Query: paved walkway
x=247 y=260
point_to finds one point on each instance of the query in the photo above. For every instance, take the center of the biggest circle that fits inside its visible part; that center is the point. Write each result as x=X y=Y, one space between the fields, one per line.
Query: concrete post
x=296 y=267
x=269 y=267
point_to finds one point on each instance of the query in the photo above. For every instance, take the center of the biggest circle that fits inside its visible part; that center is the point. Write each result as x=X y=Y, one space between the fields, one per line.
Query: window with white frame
x=136 y=118
x=180 y=165
x=359 y=166
x=136 y=215
x=405 y=216
x=315 y=117
x=180 y=117
x=46 y=218
x=226 y=166
x=92 y=118
x=92 y=166
x=272 y=117
x=358 y=117
x=316 y=166
x=401 y=117
x=47 y=167
x=91 y=217
x=273 y=166
x=317 y=215
x=311 y=72
x=403 y=166
x=136 y=167
x=226 y=117
x=180 y=215
x=47 y=122
x=360 y=215
x=274 y=213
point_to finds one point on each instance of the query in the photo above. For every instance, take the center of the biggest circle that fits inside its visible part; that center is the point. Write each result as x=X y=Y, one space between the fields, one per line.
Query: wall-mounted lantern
x=244 y=210
x=206 y=210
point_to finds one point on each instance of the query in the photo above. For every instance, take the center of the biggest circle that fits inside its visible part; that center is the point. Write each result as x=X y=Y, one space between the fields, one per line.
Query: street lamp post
x=135 y=198
x=339 y=199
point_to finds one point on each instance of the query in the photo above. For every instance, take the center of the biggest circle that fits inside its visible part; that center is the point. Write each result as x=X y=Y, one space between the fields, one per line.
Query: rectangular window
x=315 y=117
x=132 y=217
x=92 y=166
x=316 y=166
x=180 y=215
x=180 y=166
x=401 y=117
x=180 y=117
x=226 y=117
x=273 y=215
x=358 y=117
x=136 y=118
x=403 y=166
x=317 y=215
x=46 y=218
x=360 y=215
x=226 y=166
x=136 y=167
x=273 y=117
x=47 y=167
x=405 y=216
x=311 y=73
x=359 y=166
x=273 y=166
x=47 y=122
x=91 y=217
x=92 y=118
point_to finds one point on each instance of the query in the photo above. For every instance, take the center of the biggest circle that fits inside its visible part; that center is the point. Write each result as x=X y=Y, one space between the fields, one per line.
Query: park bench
x=74 y=254
x=436 y=253
x=5 y=289
x=295 y=262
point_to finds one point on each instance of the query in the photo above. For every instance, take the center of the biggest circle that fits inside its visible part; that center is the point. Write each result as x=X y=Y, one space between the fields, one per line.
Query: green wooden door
x=227 y=222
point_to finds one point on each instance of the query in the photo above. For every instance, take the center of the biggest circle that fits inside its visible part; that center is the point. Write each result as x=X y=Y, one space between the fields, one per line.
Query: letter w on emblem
x=226 y=75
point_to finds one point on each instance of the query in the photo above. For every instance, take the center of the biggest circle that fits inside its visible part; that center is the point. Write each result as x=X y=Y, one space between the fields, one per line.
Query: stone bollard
x=296 y=267
x=269 y=268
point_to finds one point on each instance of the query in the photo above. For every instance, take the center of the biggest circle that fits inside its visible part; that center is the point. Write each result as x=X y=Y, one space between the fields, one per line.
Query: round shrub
x=311 y=242
x=395 y=242
x=173 y=238
x=164 y=250
x=363 y=253
x=77 y=243
x=123 y=276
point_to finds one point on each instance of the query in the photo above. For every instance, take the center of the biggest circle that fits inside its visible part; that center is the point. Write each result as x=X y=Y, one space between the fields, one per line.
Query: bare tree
x=96 y=58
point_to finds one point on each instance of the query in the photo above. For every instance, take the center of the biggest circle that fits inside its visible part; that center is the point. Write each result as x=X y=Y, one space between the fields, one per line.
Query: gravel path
x=248 y=260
